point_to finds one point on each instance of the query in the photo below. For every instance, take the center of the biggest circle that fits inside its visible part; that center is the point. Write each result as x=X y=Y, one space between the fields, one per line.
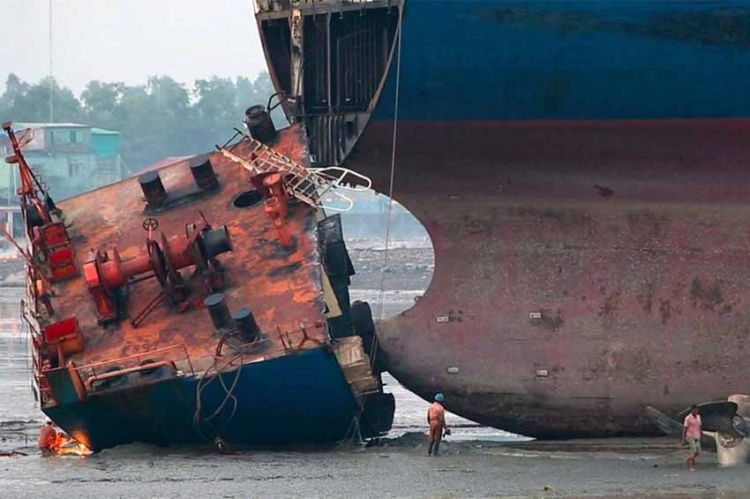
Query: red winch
x=106 y=274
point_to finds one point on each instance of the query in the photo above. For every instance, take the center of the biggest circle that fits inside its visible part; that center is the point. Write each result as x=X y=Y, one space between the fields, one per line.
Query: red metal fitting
x=177 y=251
x=275 y=206
x=112 y=272
x=275 y=210
x=53 y=241
x=98 y=287
x=104 y=273
x=134 y=266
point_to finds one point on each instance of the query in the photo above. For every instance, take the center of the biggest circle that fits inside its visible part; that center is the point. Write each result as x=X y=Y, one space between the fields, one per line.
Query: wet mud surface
x=400 y=468
x=408 y=270
x=476 y=461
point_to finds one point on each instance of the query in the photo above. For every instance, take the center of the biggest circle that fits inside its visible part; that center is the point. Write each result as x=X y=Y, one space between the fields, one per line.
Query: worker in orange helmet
x=47 y=438
x=436 y=420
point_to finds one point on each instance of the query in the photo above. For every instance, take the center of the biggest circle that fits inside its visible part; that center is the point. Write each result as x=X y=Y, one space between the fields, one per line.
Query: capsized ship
x=582 y=170
x=206 y=301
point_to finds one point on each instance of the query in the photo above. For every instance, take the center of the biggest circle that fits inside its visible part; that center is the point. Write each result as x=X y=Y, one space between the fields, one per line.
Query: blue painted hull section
x=300 y=398
x=484 y=60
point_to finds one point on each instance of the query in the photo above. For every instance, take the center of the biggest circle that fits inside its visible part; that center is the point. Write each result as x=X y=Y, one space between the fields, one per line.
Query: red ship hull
x=583 y=270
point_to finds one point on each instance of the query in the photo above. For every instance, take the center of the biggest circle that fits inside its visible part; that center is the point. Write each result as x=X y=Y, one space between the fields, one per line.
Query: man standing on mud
x=436 y=420
x=691 y=435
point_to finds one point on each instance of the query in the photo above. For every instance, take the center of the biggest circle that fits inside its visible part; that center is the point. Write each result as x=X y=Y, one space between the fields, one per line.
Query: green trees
x=101 y=101
x=159 y=119
x=32 y=101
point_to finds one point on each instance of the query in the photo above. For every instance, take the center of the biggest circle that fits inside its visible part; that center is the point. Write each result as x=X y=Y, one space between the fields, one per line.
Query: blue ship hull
x=300 y=398
x=483 y=60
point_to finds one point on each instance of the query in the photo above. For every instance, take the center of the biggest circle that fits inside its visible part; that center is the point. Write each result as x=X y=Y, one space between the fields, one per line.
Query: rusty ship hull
x=203 y=302
x=581 y=169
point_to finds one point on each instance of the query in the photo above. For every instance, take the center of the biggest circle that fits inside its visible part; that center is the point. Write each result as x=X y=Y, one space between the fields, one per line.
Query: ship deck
x=281 y=286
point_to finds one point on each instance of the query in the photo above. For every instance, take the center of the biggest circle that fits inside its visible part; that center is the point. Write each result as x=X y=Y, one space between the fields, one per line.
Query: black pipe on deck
x=217 y=308
x=245 y=322
x=203 y=172
x=153 y=189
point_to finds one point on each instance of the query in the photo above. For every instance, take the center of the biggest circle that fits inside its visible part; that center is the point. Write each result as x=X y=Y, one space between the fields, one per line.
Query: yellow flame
x=66 y=446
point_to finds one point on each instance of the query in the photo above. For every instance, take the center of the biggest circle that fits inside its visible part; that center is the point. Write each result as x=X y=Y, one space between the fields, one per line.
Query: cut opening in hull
x=395 y=260
x=330 y=63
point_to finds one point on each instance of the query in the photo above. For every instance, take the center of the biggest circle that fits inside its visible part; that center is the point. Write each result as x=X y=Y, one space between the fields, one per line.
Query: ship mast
x=30 y=188
x=51 y=79
x=51 y=254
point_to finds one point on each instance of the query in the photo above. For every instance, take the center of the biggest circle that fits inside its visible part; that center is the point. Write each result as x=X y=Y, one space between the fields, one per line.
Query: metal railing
x=35 y=336
x=132 y=363
x=88 y=374
x=27 y=315
x=277 y=342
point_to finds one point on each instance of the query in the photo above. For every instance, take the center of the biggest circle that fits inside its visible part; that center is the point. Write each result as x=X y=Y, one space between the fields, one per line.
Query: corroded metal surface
x=588 y=213
x=282 y=286
x=556 y=310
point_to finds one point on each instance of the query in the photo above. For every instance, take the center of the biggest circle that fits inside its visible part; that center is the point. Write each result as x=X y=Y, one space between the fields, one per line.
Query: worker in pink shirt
x=691 y=435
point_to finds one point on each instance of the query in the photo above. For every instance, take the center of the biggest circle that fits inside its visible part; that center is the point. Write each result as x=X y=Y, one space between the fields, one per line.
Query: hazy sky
x=129 y=40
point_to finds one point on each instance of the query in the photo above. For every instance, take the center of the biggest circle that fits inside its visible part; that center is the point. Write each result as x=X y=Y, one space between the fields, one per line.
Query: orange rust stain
x=281 y=286
x=303 y=296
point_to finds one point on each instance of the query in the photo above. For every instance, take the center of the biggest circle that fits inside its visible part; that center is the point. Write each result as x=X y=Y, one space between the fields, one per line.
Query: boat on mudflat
x=582 y=170
x=205 y=301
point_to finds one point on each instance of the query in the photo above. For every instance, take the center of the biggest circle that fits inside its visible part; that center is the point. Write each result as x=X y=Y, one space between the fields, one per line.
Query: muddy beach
x=477 y=461
x=400 y=468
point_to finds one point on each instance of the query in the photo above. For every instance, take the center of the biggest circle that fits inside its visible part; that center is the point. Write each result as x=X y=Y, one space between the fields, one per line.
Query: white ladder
x=308 y=185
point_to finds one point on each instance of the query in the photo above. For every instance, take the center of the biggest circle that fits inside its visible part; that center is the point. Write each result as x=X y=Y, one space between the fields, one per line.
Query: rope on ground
x=353 y=435
x=204 y=381
x=379 y=315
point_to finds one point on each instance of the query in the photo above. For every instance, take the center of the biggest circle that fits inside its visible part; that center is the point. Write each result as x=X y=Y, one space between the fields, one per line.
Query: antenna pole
x=51 y=80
